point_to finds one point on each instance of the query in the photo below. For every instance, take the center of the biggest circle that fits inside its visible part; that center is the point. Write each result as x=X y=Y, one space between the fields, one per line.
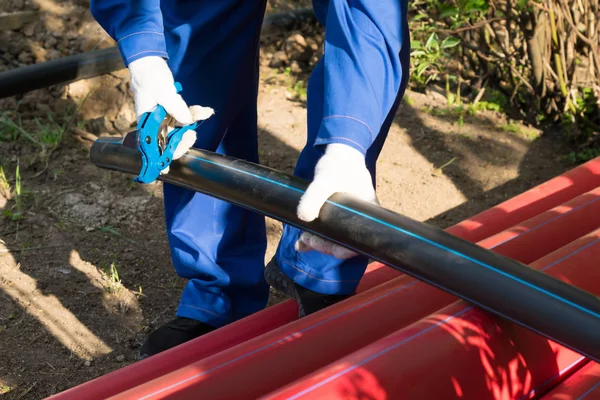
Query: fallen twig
x=28 y=390
x=31 y=248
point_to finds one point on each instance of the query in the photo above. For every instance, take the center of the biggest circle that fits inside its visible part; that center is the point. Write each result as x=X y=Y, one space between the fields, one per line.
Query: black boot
x=171 y=334
x=308 y=301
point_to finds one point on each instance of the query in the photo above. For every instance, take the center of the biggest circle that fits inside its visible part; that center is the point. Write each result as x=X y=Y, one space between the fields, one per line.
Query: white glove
x=341 y=169
x=152 y=83
x=198 y=114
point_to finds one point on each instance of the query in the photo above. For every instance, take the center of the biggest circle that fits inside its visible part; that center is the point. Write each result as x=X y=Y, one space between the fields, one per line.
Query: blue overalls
x=212 y=49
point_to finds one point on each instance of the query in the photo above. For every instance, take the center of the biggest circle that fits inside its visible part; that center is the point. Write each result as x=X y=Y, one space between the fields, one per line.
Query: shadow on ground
x=483 y=161
x=73 y=317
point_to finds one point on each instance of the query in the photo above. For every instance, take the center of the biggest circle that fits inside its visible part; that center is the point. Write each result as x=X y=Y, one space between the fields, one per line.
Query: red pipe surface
x=491 y=221
x=543 y=197
x=583 y=385
x=460 y=352
x=556 y=230
x=298 y=341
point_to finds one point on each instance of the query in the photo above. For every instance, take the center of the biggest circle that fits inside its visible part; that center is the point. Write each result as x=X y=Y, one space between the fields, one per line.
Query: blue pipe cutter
x=156 y=154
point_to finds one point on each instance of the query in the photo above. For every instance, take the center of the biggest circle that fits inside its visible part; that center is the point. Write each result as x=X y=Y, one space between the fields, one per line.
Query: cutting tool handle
x=154 y=158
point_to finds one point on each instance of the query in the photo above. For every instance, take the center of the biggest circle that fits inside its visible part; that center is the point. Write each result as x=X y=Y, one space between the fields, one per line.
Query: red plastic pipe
x=314 y=341
x=543 y=197
x=460 y=352
x=552 y=226
x=512 y=211
x=583 y=385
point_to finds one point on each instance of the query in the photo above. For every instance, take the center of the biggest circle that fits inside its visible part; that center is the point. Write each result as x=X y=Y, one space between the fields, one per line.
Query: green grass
x=530 y=134
x=513 y=128
x=4 y=389
x=112 y=276
x=583 y=156
x=44 y=135
x=14 y=192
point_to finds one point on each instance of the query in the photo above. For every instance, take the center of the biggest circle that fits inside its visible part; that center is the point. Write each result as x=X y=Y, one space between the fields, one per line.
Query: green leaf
x=522 y=5
x=415 y=44
x=432 y=41
x=417 y=53
x=450 y=42
x=422 y=67
x=448 y=11
x=475 y=6
x=451 y=97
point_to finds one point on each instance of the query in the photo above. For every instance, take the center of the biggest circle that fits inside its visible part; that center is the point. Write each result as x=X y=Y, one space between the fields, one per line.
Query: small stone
x=265 y=57
x=125 y=117
x=63 y=46
x=13 y=47
x=312 y=43
x=52 y=54
x=64 y=271
x=295 y=67
x=54 y=23
x=280 y=59
x=297 y=48
x=71 y=199
x=120 y=358
x=29 y=30
x=25 y=58
x=87 y=363
x=72 y=35
x=99 y=125
x=38 y=52
x=50 y=42
x=314 y=60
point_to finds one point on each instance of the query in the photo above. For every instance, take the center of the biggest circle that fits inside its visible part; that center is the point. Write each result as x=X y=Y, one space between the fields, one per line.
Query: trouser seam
x=314 y=277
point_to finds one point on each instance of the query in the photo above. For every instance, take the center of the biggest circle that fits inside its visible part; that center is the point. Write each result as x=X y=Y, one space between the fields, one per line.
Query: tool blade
x=131 y=140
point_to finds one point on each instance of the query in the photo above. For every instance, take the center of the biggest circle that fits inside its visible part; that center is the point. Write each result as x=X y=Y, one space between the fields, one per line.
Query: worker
x=212 y=49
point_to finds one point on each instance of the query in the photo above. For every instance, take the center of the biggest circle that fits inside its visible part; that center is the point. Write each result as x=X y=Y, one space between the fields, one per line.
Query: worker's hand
x=341 y=169
x=198 y=114
x=152 y=83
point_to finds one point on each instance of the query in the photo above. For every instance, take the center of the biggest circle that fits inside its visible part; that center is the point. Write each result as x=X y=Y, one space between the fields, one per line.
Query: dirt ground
x=85 y=269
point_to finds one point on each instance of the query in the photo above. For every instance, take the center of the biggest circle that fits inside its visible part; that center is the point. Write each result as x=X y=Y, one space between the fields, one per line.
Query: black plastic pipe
x=98 y=62
x=559 y=311
x=62 y=70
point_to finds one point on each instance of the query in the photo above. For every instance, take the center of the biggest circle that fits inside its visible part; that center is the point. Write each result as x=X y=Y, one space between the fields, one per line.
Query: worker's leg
x=213 y=52
x=312 y=270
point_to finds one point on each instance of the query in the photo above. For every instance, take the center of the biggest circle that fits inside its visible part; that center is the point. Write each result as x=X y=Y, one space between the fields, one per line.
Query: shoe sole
x=282 y=283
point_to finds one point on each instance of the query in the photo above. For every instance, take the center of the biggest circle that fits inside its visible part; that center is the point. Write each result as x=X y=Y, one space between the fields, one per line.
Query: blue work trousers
x=220 y=248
